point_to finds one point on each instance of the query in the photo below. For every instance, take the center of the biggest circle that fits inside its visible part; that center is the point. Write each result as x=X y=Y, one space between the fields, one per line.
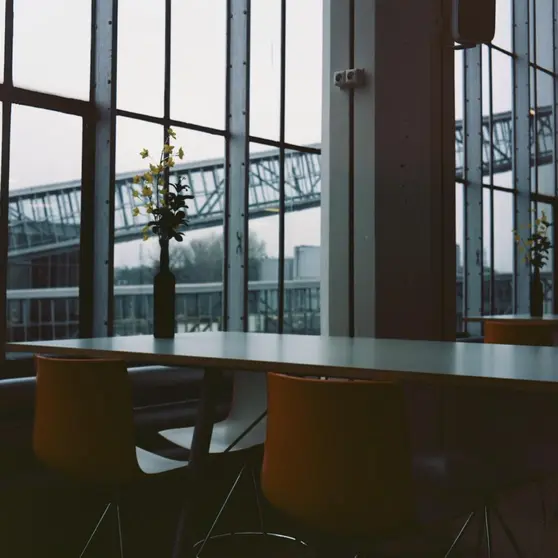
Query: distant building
x=305 y=264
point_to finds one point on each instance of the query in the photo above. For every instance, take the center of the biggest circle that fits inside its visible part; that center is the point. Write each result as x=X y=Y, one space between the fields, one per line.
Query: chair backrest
x=84 y=423
x=519 y=333
x=337 y=454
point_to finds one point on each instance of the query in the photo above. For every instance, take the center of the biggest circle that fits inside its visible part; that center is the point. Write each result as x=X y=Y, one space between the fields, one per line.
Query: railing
x=54 y=313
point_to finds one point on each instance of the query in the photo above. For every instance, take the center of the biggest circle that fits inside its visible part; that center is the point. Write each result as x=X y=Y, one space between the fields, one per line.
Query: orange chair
x=336 y=458
x=337 y=455
x=84 y=427
x=508 y=332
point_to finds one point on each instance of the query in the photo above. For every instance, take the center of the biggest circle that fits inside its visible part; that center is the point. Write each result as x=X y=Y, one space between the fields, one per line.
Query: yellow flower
x=171 y=133
x=149 y=210
x=181 y=153
x=135 y=211
x=136 y=179
x=144 y=153
x=147 y=191
x=170 y=162
x=135 y=193
x=148 y=177
x=145 y=237
x=167 y=149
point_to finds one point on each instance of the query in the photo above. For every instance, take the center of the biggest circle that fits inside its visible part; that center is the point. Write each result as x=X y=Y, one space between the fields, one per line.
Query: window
x=173 y=69
x=197 y=263
x=44 y=214
x=515 y=116
x=50 y=54
x=285 y=175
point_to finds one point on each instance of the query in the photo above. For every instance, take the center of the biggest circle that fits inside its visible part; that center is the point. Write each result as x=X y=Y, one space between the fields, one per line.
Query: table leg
x=203 y=428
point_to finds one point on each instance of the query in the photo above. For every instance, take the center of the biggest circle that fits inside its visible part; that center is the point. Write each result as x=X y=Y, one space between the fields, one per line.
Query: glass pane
x=546 y=180
x=459 y=113
x=198 y=82
x=503 y=35
x=543 y=35
x=52 y=46
x=263 y=269
x=265 y=68
x=199 y=259
x=486 y=246
x=2 y=37
x=459 y=254
x=503 y=252
x=502 y=119
x=303 y=91
x=141 y=56
x=546 y=271
x=302 y=243
x=485 y=101
x=44 y=212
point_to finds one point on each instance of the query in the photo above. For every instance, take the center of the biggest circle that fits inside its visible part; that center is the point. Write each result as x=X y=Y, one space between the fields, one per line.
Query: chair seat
x=153 y=464
x=224 y=433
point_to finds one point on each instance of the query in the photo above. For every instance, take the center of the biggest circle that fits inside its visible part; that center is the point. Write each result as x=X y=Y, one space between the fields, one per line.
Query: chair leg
x=120 y=537
x=95 y=530
x=223 y=506
x=508 y=532
x=460 y=534
x=487 y=532
x=258 y=501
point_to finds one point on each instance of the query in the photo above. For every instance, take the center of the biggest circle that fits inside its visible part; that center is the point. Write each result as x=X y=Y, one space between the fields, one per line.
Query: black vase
x=537 y=294
x=164 y=288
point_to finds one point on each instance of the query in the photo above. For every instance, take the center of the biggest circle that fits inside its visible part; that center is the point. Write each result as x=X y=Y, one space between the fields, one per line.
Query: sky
x=52 y=56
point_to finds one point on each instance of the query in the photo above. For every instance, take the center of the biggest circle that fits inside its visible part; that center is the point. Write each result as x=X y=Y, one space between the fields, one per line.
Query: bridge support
x=388 y=191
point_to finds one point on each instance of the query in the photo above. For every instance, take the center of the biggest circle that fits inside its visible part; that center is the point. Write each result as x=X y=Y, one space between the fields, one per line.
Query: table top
x=365 y=358
x=546 y=319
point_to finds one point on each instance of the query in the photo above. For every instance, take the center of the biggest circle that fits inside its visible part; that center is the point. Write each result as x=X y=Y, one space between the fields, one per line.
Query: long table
x=519 y=367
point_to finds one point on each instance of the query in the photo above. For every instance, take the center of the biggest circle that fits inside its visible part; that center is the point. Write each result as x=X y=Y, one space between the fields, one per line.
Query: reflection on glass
x=503 y=252
x=503 y=35
x=198 y=61
x=303 y=91
x=2 y=37
x=52 y=46
x=486 y=147
x=198 y=261
x=546 y=272
x=459 y=253
x=459 y=113
x=44 y=212
x=265 y=68
x=544 y=146
x=141 y=56
x=502 y=129
x=487 y=231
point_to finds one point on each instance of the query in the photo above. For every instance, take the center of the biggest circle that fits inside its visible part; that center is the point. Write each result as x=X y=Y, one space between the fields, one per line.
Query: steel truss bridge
x=45 y=220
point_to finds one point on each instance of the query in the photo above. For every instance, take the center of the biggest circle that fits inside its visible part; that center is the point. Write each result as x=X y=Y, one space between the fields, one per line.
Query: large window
x=46 y=114
x=284 y=178
x=505 y=95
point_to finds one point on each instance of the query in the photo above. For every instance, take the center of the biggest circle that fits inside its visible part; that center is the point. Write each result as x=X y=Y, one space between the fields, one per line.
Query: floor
x=44 y=516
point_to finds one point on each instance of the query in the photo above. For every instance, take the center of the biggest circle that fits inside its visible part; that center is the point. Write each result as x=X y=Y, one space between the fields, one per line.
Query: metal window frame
x=473 y=272
x=238 y=163
x=521 y=148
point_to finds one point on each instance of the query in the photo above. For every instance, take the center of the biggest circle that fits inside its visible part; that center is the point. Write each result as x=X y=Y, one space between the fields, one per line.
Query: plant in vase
x=163 y=199
x=536 y=250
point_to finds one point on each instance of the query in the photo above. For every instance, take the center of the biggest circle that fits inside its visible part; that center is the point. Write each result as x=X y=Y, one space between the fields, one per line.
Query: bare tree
x=201 y=260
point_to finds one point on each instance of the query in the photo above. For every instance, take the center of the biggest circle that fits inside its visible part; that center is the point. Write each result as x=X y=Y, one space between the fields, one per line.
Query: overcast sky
x=52 y=56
